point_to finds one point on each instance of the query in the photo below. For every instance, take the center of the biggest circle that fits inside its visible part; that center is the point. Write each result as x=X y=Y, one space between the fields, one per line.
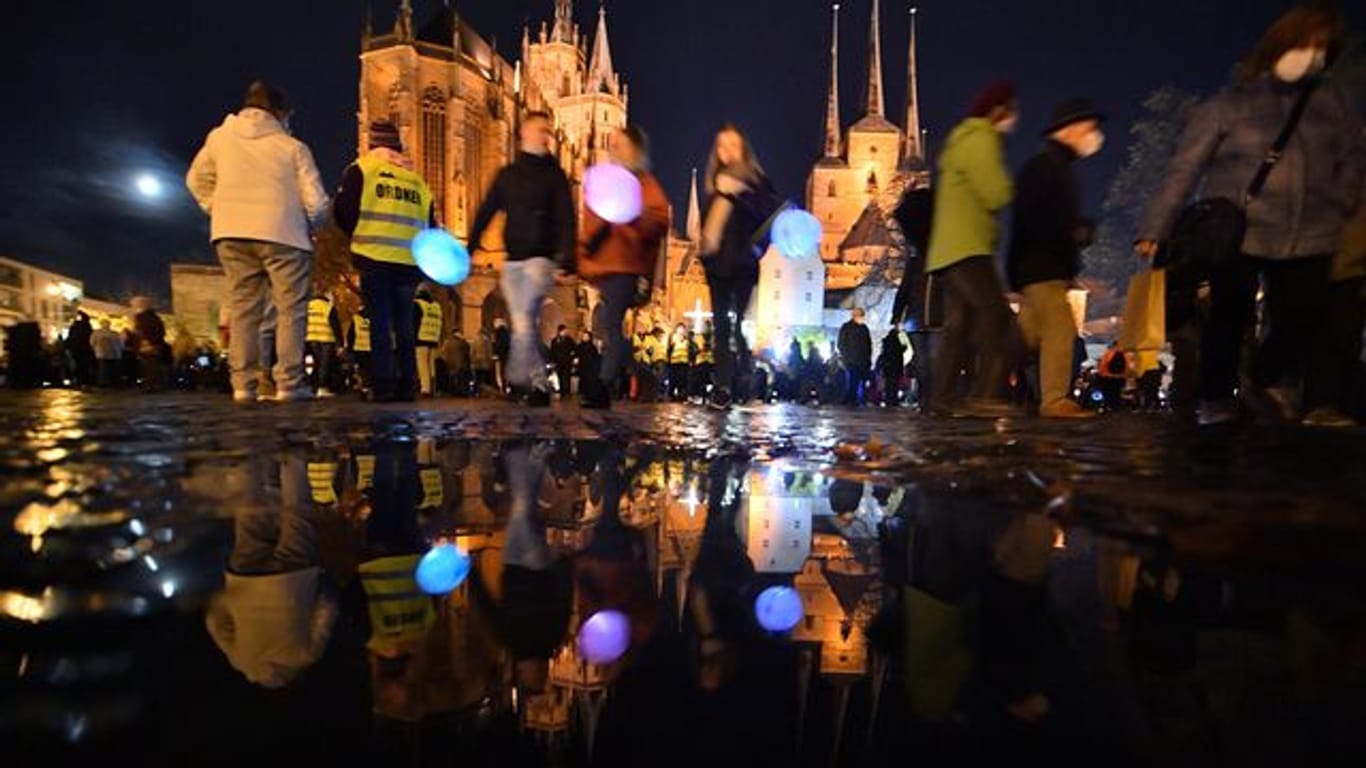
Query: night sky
x=99 y=92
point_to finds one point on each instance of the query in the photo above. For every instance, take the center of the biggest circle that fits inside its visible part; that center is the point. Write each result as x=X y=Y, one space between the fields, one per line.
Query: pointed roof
x=874 y=87
x=869 y=231
x=832 y=103
x=601 y=76
x=441 y=29
x=912 y=151
x=694 y=221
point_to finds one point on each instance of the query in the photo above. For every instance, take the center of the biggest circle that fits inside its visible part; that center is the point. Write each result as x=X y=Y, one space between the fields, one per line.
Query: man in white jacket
x=263 y=195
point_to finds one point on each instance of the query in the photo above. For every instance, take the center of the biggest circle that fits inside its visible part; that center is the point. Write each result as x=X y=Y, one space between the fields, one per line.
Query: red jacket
x=625 y=249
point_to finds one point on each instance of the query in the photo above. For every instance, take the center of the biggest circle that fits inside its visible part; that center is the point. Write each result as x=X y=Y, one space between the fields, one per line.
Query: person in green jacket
x=972 y=187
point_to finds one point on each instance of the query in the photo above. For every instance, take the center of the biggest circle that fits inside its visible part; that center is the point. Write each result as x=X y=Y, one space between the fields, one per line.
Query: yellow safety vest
x=641 y=349
x=320 y=481
x=433 y=494
x=399 y=613
x=319 y=325
x=659 y=350
x=395 y=204
x=365 y=471
x=361 y=326
x=704 y=353
x=429 y=330
x=678 y=351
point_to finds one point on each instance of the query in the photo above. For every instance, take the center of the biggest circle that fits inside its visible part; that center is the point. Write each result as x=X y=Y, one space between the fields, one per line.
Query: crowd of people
x=1258 y=227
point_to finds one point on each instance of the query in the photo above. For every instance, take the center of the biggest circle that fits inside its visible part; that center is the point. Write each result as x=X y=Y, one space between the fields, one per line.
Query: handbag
x=1145 y=318
x=1208 y=234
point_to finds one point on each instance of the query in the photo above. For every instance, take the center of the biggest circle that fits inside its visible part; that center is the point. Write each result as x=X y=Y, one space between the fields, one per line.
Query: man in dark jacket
x=1045 y=250
x=541 y=233
x=891 y=361
x=856 y=352
x=562 y=349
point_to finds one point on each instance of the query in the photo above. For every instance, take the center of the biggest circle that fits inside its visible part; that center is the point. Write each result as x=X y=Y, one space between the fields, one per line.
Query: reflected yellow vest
x=319 y=329
x=361 y=325
x=429 y=330
x=399 y=613
x=320 y=481
x=704 y=354
x=395 y=205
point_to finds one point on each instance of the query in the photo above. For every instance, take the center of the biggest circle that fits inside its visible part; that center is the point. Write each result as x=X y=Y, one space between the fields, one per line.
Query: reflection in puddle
x=620 y=605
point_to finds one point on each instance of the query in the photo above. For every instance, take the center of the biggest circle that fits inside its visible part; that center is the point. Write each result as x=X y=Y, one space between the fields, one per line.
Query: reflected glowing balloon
x=603 y=638
x=613 y=193
x=441 y=257
x=797 y=233
x=442 y=569
x=778 y=609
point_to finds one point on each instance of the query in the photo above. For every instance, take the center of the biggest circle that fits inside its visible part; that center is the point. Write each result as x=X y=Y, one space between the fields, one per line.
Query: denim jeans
x=729 y=302
x=618 y=291
x=260 y=274
x=388 y=291
x=525 y=285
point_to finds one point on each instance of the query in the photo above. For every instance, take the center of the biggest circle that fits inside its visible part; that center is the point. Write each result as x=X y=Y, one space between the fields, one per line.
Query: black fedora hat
x=1073 y=111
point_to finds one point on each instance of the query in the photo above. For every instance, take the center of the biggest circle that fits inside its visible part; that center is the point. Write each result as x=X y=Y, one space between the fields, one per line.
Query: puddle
x=640 y=606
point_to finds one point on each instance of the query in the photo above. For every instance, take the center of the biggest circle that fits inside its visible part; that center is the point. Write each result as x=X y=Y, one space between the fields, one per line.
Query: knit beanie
x=383 y=133
x=996 y=94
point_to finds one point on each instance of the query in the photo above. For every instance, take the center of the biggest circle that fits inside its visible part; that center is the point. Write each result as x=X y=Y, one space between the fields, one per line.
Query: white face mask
x=1091 y=144
x=1298 y=63
x=1007 y=125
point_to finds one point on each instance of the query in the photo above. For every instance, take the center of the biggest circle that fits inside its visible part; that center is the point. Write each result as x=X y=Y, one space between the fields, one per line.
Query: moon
x=148 y=186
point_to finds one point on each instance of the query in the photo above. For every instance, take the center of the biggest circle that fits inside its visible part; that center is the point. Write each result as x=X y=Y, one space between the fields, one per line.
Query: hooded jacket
x=1301 y=210
x=534 y=193
x=973 y=185
x=256 y=182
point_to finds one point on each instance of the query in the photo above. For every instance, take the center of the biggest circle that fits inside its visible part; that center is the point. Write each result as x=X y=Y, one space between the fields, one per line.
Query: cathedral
x=456 y=102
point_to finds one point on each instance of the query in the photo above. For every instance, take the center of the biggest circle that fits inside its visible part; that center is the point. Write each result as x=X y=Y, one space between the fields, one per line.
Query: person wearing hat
x=383 y=203
x=1047 y=236
x=972 y=186
x=264 y=196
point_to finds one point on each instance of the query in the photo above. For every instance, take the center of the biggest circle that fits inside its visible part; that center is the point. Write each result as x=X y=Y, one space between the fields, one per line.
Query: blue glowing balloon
x=442 y=569
x=603 y=638
x=797 y=233
x=613 y=193
x=778 y=609
x=441 y=257
x=1097 y=396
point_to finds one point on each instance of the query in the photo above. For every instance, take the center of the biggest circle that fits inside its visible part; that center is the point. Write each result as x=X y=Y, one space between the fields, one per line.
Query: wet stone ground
x=182 y=580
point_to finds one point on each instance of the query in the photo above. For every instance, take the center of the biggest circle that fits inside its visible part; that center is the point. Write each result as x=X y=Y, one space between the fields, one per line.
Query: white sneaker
x=324 y=393
x=292 y=396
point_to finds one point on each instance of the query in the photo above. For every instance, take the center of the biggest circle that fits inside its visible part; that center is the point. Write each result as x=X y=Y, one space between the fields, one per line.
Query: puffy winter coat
x=257 y=182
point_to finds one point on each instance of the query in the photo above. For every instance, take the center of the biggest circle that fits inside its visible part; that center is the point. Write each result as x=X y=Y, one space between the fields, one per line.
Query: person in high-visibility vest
x=703 y=364
x=383 y=203
x=324 y=333
x=680 y=360
x=427 y=315
x=659 y=359
x=358 y=346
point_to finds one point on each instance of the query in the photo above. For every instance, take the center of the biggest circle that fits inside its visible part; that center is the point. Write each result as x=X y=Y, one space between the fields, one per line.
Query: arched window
x=433 y=149
x=830 y=190
x=872 y=181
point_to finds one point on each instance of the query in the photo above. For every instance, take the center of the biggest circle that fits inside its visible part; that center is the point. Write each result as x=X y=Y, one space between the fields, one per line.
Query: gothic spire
x=563 y=31
x=875 y=107
x=600 y=74
x=912 y=150
x=832 y=103
x=403 y=25
x=694 y=222
x=367 y=31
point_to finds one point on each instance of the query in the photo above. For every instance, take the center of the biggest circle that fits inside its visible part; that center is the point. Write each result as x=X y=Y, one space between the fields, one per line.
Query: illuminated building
x=33 y=294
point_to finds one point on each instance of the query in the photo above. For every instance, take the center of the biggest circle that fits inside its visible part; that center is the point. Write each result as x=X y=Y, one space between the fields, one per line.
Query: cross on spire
x=832 y=102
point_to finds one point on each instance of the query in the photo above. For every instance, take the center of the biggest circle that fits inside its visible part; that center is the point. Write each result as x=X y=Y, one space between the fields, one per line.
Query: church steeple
x=875 y=106
x=563 y=31
x=403 y=25
x=600 y=74
x=693 y=225
x=911 y=148
x=832 y=102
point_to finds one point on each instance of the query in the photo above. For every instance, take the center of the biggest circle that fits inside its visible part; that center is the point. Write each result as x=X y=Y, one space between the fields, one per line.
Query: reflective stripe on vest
x=704 y=355
x=319 y=322
x=429 y=330
x=433 y=493
x=320 y=481
x=365 y=472
x=678 y=353
x=399 y=613
x=361 y=326
x=394 y=206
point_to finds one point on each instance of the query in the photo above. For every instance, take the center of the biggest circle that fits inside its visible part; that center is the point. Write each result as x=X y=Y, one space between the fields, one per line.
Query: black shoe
x=720 y=400
x=593 y=396
x=537 y=398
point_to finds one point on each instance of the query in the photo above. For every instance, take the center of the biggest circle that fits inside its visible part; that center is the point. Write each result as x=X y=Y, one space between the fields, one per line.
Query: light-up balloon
x=778 y=609
x=797 y=233
x=441 y=257
x=603 y=638
x=442 y=569
x=613 y=193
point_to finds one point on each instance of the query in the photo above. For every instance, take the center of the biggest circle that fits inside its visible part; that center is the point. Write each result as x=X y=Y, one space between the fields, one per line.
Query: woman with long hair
x=1294 y=224
x=740 y=201
x=619 y=260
